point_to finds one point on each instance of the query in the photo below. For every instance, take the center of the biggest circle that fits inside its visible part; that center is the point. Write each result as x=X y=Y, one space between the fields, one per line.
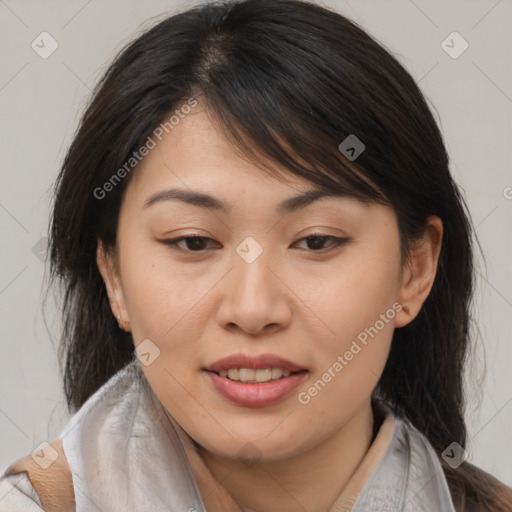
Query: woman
x=258 y=201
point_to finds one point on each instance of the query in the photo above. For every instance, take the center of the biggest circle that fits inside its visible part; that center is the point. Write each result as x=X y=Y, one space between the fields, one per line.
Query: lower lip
x=260 y=394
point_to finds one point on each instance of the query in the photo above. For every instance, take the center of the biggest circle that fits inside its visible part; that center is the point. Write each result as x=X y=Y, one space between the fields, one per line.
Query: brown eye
x=316 y=243
x=192 y=243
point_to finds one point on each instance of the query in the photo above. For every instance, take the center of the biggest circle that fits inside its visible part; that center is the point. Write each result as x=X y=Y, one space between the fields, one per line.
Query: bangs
x=275 y=111
x=299 y=152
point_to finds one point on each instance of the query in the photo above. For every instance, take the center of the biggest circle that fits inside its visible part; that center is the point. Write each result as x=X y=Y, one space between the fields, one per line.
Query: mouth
x=260 y=381
x=252 y=393
x=255 y=376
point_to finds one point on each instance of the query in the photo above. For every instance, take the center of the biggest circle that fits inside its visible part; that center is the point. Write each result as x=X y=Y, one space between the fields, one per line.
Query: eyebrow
x=204 y=200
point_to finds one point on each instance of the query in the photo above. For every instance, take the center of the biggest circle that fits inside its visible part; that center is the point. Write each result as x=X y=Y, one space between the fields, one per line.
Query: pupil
x=198 y=242
x=320 y=240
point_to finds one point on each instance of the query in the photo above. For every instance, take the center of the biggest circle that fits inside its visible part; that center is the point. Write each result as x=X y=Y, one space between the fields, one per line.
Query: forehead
x=196 y=153
x=195 y=164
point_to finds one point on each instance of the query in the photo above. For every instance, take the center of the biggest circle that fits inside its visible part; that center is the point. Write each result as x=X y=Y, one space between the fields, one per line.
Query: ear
x=106 y=262
x=420 y=271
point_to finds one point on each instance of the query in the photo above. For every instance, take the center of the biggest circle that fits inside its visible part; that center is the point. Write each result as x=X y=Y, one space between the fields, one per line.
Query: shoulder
x=42 y=480
x=17 y=493
x=39 y=481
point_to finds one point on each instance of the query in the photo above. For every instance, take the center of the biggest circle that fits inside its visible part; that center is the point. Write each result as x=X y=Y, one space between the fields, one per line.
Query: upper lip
x=255 y=362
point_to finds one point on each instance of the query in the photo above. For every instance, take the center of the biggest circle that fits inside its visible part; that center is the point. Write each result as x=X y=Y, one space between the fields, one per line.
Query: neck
x=309 y=481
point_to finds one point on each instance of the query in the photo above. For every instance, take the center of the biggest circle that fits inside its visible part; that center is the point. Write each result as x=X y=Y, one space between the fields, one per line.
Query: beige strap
x=353 y=488
x=49 y=473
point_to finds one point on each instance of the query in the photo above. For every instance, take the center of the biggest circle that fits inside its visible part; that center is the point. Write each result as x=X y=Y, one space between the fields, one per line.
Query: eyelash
x=336 y=242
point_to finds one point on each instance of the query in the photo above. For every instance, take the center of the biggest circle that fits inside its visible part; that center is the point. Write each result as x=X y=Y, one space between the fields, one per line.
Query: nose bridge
x=251 y=273
x=253 y=298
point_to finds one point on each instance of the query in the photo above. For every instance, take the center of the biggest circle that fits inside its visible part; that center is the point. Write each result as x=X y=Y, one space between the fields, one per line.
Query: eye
x=193 y=243
x=314 y=241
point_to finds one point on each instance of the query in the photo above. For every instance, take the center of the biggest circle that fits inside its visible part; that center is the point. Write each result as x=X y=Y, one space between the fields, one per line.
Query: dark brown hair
x=287 y=80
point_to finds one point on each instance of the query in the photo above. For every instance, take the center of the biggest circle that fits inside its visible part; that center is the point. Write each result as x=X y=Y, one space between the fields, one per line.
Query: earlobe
x=420 y=271
x=108 y=271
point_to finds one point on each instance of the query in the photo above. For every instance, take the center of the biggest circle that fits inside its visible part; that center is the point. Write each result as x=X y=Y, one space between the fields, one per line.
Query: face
x=249 y=282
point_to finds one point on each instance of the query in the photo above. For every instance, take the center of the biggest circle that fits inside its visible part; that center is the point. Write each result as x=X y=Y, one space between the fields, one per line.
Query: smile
x=248 y=391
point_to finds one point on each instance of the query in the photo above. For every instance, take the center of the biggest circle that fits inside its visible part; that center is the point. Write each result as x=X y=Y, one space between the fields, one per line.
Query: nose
x=255 y=297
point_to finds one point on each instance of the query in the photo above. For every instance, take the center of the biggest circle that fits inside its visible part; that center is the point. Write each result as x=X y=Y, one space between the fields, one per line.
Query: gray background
x=41 y=101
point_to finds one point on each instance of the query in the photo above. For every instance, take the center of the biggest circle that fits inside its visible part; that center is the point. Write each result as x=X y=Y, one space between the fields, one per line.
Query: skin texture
x=297 y=300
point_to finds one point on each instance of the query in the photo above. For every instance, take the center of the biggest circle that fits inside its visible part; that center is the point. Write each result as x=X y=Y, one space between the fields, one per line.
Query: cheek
x=347 y=370
x=354 y=335
x=160 y=298
x=354 y=294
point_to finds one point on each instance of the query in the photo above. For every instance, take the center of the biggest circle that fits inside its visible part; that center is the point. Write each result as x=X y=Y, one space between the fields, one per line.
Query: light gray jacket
x=125 y=456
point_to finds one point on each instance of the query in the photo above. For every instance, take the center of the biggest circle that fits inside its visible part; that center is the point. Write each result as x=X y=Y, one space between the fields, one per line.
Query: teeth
x=276 y=373
x=263 y=375
x=250 y=375
x=233 y=374
x=245 y=374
